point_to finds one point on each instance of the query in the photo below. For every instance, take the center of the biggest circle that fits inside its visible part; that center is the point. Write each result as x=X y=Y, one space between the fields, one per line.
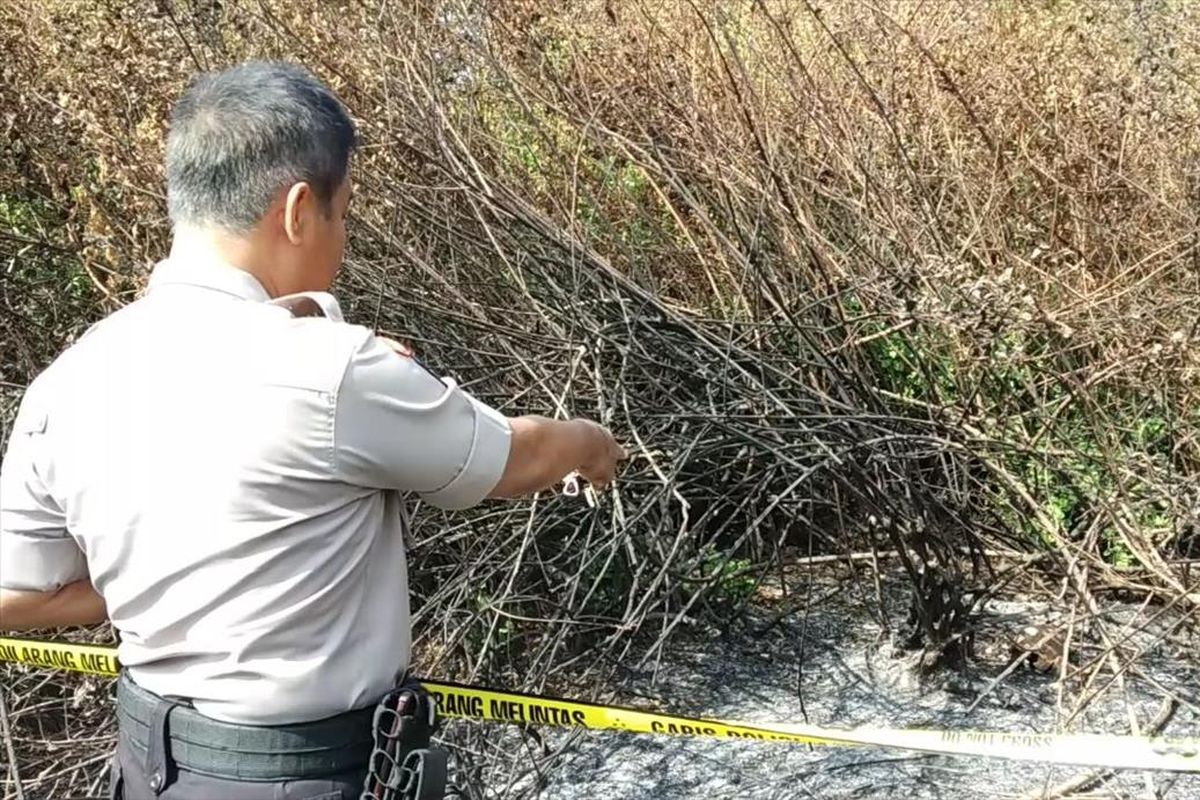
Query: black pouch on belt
x=404 y=766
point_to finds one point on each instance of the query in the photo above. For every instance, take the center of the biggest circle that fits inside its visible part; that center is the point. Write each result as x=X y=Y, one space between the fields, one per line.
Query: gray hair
x=240 y=136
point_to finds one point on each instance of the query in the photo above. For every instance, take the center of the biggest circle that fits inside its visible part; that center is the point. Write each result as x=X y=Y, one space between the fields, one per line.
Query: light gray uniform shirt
x=232 y=479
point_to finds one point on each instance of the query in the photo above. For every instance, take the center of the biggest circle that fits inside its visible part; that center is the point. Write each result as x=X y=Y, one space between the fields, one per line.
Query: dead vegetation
x=912 y=277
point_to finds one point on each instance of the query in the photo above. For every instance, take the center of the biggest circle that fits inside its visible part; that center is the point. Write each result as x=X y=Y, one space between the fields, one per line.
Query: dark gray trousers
x=131 y=781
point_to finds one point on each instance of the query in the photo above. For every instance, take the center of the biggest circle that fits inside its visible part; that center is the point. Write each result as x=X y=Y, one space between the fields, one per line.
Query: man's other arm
x=76 y=603
x=44 y=580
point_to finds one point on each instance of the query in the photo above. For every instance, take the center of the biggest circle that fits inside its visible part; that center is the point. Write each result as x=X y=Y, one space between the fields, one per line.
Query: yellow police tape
x=1177 y=754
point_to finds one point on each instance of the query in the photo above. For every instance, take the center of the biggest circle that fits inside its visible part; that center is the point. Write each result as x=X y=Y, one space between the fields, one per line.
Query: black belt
x=169 y=732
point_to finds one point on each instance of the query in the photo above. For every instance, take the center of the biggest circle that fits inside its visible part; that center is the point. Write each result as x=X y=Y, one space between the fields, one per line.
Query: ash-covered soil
x=854 y=673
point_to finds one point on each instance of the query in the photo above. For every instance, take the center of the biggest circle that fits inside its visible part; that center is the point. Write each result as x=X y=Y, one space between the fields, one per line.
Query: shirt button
x=155 y=781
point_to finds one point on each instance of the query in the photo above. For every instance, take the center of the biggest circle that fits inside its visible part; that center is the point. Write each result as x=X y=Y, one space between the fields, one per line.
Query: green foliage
x=1054 y=451
x=38 y=264
x=48 y=292
x=1116 y=552
x=912 y=366
x=730 y=578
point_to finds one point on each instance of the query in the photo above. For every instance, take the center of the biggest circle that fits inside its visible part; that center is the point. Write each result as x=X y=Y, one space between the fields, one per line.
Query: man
x=223 y=478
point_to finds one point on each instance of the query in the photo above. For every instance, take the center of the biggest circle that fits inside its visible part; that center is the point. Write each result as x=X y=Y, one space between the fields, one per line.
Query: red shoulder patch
x=397 y=347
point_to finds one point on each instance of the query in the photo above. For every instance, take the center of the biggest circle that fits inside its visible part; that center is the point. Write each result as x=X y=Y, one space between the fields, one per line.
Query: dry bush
x=919 y=276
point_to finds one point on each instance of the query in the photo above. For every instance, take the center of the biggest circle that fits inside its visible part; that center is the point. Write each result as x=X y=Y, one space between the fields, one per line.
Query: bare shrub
x=919 y=277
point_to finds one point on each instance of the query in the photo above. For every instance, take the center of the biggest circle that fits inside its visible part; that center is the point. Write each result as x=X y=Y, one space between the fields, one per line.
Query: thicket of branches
x=915 y=277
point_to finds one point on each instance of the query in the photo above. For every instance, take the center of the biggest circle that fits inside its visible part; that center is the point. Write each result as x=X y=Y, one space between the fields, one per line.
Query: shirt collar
x=207 y=271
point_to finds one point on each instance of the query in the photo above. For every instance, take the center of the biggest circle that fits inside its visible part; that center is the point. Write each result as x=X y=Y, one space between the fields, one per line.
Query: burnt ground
x=855 y=674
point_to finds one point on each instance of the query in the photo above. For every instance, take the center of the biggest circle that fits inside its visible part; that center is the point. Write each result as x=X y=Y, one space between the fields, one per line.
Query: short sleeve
x=36 y=552
x=398 y=426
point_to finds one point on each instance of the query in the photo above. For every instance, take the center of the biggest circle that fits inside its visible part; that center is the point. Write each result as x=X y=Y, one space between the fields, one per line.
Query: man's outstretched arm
x=76 y=603
x=397 y=426
x=543 y=451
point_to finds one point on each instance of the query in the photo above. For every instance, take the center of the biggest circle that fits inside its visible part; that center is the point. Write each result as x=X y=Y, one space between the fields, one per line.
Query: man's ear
x=297 y=211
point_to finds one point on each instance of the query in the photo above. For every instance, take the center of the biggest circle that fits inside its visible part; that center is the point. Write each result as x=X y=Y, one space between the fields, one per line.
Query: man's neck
x=243 y=252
